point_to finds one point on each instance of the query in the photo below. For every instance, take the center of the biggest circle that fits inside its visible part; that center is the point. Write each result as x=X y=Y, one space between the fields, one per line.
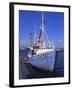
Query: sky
x=31 y=20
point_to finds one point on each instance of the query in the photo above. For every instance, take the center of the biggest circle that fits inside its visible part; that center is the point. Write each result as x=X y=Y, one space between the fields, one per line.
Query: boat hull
x=44 y=62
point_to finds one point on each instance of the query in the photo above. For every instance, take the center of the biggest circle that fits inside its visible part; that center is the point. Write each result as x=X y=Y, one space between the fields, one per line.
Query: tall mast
x=44 y=32
x=42 y=23
x=41 y=37
x=35 y=36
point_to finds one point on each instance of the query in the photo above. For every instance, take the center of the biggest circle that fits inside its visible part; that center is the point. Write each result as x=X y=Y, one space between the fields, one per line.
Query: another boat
x=42 y=56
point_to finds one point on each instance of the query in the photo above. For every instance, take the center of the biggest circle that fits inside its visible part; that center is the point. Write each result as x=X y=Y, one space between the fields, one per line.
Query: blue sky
x=54 y=26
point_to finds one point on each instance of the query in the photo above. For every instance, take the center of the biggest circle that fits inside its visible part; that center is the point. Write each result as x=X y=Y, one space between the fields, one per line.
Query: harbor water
x=27 y=71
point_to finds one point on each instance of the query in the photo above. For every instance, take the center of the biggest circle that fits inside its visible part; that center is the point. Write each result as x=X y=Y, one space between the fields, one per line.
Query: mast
x=41 y=36
x=43 y=33
x=35 y=40
x=35 y=36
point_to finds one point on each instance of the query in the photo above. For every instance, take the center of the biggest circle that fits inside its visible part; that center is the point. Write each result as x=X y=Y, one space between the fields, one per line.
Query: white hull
x=46 y=63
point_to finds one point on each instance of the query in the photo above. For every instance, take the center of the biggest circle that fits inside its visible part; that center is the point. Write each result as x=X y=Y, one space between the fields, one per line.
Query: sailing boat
x=44 y=57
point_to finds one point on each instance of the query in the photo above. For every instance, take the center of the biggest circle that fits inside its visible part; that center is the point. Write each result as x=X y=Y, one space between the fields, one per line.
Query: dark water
x=27 y=71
